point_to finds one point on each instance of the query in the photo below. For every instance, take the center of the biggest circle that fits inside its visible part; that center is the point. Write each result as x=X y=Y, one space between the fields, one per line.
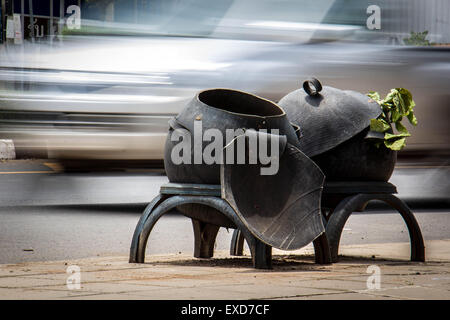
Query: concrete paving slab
x=346 y=296
x=434 y=251
x=178 y=276
x=415 y=292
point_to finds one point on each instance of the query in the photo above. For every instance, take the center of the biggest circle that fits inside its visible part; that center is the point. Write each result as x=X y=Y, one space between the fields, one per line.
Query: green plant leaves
x=401 y=128
x=397 y=104
x=407 y=96
x=390 y=136
x=417 y=39
x=379 y=125
x=412 y=118
x=374 y=95
x=396 y=116
x=395 y=144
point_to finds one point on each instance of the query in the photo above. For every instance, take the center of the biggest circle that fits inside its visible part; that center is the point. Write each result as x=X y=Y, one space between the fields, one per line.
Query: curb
x=7 y=149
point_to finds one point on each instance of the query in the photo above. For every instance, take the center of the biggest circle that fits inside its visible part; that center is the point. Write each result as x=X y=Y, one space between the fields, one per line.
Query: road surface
x=49 y=216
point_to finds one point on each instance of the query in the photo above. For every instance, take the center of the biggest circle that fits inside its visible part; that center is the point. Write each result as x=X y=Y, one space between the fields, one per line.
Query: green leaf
x=412 y=118
x=389 y=98
x=387 y=107
x=409 y=103
x=412 y=104
x=379 y=125
x=374 y=95
x=397 y=144
x=395 y=115
x=400 y=104
x=389 y=136
x=404 y=110
x=406 y=94
x=401 y=128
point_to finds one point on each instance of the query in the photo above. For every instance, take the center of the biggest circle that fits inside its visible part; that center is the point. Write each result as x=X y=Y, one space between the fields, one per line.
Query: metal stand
x=205 y=227
x=341 y=199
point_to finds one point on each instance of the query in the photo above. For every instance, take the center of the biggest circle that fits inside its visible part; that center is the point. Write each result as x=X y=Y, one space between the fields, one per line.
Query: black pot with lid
x=333 y=125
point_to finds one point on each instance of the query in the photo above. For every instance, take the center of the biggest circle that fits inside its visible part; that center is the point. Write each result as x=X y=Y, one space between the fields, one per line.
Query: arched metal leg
x=336 y=222
x=140 y=225
x=415 y=235
x=350 y=204
x=205 y=236
x=322 y=253
x=261 y=252
x=261 y=255
x=157 y=213
x=237 y=243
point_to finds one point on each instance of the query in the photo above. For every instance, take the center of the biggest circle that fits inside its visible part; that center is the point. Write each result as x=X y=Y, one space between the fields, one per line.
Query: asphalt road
x=50 y=216
x=56 y=233
x=38 y=183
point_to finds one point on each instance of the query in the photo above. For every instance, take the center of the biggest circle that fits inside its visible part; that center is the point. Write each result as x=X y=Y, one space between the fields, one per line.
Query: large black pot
x=334 y=125
x=222 y=109
x=280 y=208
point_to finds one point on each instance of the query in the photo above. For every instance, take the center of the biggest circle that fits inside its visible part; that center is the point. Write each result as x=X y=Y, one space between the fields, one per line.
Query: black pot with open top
x=280 y=208
x=221 y=109
x=334 y=126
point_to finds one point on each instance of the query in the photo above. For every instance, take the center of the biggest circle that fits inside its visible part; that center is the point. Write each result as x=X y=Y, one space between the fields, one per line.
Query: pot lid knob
x=312 y=86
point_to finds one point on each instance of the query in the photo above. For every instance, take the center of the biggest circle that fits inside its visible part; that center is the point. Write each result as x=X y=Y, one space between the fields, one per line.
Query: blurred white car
x=108 y=91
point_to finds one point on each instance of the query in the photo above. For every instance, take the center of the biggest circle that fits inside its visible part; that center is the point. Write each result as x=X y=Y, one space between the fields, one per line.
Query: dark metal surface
x=282 y=210
x=197 y=211
x=205 y=237
x=315 y=89
x=222 y=109
x=352 y=196
x=329 y=116
x=357 y=159
x=351 y=187
x=349 y=202
x=140 y=226
x=191 y=189
x=206 y=214
x=204 y=233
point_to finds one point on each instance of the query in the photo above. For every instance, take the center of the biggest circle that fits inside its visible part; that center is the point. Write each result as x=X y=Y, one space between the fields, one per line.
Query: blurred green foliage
x=417 y=39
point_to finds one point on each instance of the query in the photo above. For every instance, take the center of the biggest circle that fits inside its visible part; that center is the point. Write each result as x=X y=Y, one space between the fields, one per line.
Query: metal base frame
x=339 y=215
x=173 y=195
x=340 y=199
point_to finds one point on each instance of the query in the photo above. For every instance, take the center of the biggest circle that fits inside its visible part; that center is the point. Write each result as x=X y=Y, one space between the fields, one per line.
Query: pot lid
x=327 y=116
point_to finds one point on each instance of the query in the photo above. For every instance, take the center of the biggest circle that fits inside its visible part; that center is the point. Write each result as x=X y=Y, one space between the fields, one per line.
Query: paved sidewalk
x=294 y=276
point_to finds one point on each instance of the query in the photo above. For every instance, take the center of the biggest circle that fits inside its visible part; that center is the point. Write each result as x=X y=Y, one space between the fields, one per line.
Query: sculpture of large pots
x=333 y=125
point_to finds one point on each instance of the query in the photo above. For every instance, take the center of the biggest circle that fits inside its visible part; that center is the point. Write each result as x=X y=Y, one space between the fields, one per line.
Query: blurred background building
x=400 y=17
